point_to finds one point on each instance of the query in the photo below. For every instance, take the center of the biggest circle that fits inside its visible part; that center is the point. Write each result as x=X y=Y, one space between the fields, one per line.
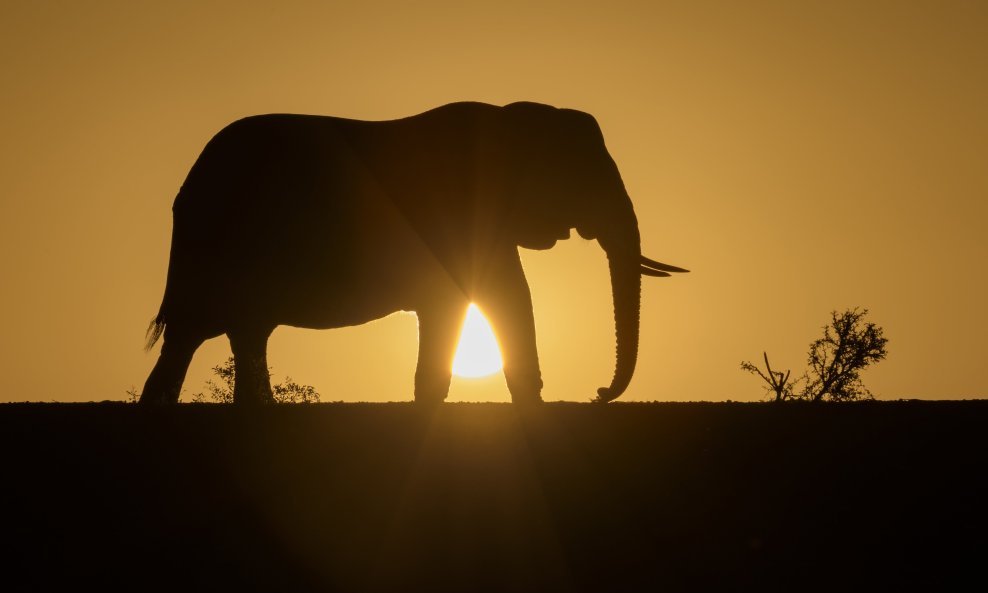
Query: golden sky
x=799 y=157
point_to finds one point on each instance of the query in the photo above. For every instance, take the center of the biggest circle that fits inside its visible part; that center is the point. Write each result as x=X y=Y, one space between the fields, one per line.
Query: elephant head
x=562 y=177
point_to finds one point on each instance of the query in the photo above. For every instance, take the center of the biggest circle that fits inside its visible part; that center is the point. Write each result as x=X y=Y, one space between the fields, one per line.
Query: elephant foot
x=247 y=400
x=431 y=388
x=525 y=388
x=160 y=390
x=429 y=398
x=526 y=396
x=428 y=403
x=156 y=398
x=527 y=401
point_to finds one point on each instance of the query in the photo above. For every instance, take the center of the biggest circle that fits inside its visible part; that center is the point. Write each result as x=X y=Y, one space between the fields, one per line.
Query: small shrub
x=848 y=346
x=221 y=390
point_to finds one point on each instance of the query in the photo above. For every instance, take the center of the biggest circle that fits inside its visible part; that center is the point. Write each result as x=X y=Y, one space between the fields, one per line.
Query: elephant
x=324 y=222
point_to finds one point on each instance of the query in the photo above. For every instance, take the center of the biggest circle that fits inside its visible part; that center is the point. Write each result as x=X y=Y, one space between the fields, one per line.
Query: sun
x=477 y=354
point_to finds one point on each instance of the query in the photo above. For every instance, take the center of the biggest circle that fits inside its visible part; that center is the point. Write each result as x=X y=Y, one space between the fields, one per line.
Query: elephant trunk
x=624 y=256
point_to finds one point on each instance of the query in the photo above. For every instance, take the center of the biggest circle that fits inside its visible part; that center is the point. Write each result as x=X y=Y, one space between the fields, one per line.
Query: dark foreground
x=641 y=497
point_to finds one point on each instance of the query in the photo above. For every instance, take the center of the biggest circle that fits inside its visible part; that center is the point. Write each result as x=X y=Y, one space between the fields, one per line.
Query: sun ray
x=477 y=354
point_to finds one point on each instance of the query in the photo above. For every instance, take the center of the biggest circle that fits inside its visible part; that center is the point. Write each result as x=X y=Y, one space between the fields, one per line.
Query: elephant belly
x=338 y=312
x=348 y=297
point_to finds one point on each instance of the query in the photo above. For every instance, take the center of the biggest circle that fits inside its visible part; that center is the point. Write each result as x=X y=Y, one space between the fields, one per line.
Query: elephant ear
x=552 y=130
x=512 y=151
x=529 y=131
x=542 y=169
x=560 y=149
x=535 y=113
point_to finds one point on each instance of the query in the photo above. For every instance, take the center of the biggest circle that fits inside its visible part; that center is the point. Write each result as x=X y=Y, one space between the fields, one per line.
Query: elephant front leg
x=507 y=303
x=438 y=335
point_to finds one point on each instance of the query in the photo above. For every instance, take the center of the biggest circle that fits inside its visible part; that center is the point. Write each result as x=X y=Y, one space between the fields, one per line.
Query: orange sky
x=799 y=157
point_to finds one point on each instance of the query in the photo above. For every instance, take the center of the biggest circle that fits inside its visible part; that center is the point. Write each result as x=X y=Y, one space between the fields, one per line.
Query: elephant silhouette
x=324 y=222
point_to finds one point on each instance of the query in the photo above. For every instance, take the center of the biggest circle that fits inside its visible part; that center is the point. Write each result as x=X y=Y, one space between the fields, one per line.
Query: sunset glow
x=477 y=354
x=742 y=134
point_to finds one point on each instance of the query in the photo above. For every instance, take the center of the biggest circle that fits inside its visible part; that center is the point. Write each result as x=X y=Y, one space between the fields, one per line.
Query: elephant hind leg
x=252 y=382
x=164 y=384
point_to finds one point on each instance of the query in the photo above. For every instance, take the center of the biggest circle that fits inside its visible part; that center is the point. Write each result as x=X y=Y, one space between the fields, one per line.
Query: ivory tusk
x=651 y=263
x=650 y=272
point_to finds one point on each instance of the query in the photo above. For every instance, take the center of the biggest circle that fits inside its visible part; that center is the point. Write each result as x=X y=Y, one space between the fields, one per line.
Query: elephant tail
x=155 y=329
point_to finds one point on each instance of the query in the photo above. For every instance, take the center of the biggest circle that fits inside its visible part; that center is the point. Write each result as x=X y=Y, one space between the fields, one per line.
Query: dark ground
x=351 y=497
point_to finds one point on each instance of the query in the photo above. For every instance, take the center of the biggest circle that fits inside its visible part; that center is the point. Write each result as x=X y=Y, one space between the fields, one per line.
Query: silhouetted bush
x=849 y=344
x=286 y=392
x=836 y=360
x=778 y=382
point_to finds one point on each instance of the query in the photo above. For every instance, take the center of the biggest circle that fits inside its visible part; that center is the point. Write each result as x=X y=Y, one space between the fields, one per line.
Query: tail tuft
x=155 y=329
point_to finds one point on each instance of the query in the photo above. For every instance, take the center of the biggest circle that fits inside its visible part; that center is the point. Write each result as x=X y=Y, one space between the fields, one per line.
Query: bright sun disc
x=477 y=354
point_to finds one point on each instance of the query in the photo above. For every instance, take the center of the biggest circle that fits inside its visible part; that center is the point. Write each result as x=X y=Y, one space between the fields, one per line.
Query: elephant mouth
x=540 y=244
x=547 y=241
